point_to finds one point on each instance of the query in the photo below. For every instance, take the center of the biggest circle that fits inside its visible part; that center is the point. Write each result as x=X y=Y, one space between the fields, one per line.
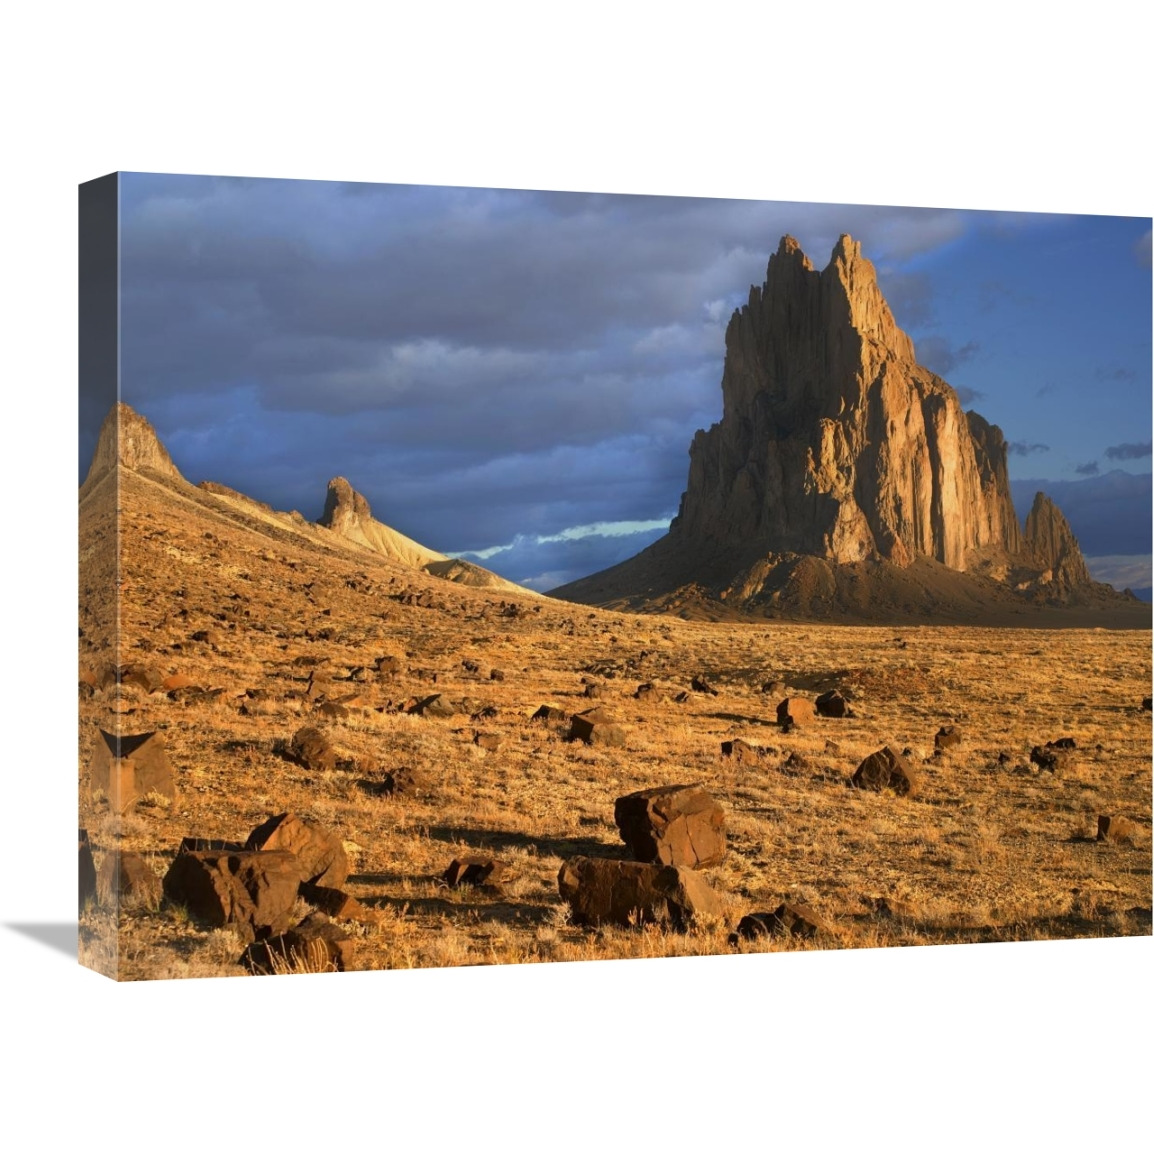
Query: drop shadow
x=63 y=937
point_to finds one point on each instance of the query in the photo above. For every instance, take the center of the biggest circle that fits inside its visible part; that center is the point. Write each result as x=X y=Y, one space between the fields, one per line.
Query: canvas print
x=477 y=576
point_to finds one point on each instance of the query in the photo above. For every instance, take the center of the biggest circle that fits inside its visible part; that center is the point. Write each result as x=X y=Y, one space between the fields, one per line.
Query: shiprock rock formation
x=128 y=442
x=844 y=479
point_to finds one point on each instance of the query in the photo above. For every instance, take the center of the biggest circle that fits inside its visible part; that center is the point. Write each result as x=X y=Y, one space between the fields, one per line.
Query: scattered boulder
x=1117 y=829
x=309 y=747
x=1053 y=757
x=475 y=870
x=600 y=890
x=795 y=763
x=321 y=855
x=335 y=903
x=127 y=768
x=549 y=713
x=250 y=892
x=435 y=705
x=496 y=675
x=126 y=879
x=596 y=727
x=1148 y=703
x=886 y=769
x=406 y=781
x=647 y=691
x=948 y=737
x=678 y=825
x=788 y=920
x=700 y=685
x=832 y=704
x=741 y=751
x=774 y=688
x=592 y=689
x=87 y=875
x=795 y=711
x=316 y=946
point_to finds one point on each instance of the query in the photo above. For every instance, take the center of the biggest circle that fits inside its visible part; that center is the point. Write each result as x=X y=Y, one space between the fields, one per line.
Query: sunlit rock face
x=834 y=441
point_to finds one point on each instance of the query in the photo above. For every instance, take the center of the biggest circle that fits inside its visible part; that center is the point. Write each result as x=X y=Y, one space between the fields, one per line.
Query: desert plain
x=275 y=628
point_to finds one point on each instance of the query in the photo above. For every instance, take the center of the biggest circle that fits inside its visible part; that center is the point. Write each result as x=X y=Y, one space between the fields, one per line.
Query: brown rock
x=1118 y=829
x=1049 y=546
x=594 y=727
x=886 y=769
x=796 y=711
x=700 y=685
x=435 y=705
x=647 y=691
x=679 y=825
x=832 y=704
x=788 y=920
x=549 y=713
x=127 y=768
x=126 y=879
x=321 y=855
x=253 y=893
x=631 y=893
x=87 y=876
x=315 y=946
x=176 y=681
x=475 y=870
x=1051 y=757
x=309 y=747
x=741 y=751
x=948 y=737
x=337 y=904
x=774 y=688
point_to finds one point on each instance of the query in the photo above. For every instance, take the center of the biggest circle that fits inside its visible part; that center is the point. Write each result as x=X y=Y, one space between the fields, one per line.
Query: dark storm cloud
x=1024 y=449
x=481 y=364
x=942 y=355
x=1089 y=469
x=1129 y=451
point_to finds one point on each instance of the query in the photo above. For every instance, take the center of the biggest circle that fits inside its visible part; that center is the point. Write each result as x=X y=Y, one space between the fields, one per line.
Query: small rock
x=315 y=946
x=1117 y=829
x=886 y=769
x=549 y=713
x=436 y=705
x=335 y=903
x=475 y=870
x=741 y=751
x=595 y=727
x=795 y=711
x=700 y=685
x=309 y=747
x=832 y=704
x=948 y=737
x=788 y=920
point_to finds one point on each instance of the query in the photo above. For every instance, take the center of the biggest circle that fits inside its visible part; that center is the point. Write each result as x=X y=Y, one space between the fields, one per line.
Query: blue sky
x=518 y=375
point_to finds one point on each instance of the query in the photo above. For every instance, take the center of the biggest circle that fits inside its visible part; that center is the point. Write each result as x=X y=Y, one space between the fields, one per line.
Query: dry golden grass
x=986 y=851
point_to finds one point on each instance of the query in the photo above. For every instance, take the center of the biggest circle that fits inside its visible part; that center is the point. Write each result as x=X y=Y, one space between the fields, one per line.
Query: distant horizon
x=515 y=377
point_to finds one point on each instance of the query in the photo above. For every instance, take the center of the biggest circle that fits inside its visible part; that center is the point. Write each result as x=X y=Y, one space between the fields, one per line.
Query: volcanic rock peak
x=128 y=439
x=834 y=442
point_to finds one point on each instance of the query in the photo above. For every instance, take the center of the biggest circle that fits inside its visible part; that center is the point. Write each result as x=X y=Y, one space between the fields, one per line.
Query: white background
x=976 y=107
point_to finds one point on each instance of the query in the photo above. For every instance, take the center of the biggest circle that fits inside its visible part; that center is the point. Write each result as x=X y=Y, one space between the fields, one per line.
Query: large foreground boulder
x=319 y=852
x=886 y=769
x=627 y=893
x=252 y=893
x=678 y=825
x=127 y=768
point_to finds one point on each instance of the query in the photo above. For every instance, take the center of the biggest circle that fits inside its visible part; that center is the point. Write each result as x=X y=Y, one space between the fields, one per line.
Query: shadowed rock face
x=834 y=442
